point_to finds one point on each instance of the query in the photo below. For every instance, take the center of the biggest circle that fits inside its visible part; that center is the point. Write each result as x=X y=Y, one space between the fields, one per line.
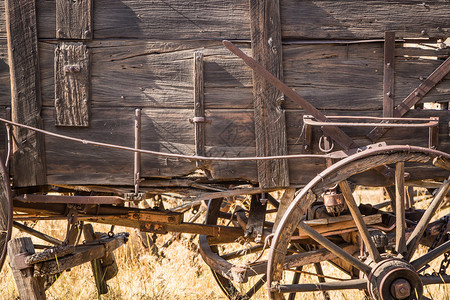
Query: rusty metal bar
x=137 y=145
x=432 y=122
x=433 y=135
x=163 y=154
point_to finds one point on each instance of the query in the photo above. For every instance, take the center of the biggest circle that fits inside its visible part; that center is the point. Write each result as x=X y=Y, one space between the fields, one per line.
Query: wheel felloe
x=394 y=279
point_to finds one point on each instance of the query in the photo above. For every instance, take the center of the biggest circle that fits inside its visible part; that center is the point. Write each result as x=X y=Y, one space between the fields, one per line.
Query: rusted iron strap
x=431 y=122
x=334 y=132
x=414 y=97
x=70 y=199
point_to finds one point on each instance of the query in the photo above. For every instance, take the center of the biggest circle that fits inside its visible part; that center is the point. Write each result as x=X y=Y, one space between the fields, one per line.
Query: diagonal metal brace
x=416 y=95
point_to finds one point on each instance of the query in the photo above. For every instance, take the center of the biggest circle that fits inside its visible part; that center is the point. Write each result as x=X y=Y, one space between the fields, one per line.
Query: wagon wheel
x=215 y=255
x=228 y=263
x=385 y=274
x=5 y=212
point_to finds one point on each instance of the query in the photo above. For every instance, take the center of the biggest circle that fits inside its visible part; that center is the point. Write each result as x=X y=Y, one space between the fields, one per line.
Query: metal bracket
x=196 y=120
x=159 y=217
x=433 y=134
x=134 y=196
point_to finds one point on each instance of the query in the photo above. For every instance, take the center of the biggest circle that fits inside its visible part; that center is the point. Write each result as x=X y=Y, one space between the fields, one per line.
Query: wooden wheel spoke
x=400 y=242
x=414 y=239
x=426 y=258
x=334 y=248
x=295 y=280
x=326 y=286
x=360 y=224
x=260 y=283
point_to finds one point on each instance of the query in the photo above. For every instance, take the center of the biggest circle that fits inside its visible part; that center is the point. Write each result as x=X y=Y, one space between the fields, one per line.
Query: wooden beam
x=74 y=19
x=388 y=77
x=72 y=85
x=270 y=127
x=28 y=150
x=29 y=287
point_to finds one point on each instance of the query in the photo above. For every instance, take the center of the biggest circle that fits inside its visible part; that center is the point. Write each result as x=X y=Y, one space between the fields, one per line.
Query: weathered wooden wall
x=142 y=57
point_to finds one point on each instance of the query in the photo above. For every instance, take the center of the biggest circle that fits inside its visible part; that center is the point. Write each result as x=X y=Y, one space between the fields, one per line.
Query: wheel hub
x=394 y=279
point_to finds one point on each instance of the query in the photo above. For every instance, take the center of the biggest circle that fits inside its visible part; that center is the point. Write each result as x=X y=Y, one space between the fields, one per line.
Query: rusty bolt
x=171 y=219
x=400 y=289
x=136 y=216
x=72 y=69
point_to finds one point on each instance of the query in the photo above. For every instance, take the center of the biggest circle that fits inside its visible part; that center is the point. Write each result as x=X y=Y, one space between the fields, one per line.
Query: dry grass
x=180 y=274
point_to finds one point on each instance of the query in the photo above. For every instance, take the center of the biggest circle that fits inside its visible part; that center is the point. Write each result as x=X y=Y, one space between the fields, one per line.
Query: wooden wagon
x=109 y=102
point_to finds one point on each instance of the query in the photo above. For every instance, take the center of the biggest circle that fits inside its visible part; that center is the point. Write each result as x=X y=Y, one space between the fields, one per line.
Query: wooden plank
x=29 y=160
x=5 y=85
x=29 y=287
x=72 y=85
x=270 y=127
x=228 y=19
x=327 y=19
x=199 y=107
x=230 y=134
x=74 y=19
x=159 y=74
x=388 y=74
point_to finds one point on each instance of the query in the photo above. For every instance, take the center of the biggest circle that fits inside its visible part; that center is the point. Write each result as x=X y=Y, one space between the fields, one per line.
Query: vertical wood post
x=388 y=75
x=270 y=127
x=199 y=107
x=28 y=165
x=30 y=287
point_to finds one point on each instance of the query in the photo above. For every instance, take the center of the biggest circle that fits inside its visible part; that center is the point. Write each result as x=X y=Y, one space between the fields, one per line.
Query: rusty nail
x=423 y=32
x=171 y=219
x=417 y=93
x=136 y=215
x=388 y=65
x=421 y=78
x=60 y=31
x=389 y=94
x=86 y=32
